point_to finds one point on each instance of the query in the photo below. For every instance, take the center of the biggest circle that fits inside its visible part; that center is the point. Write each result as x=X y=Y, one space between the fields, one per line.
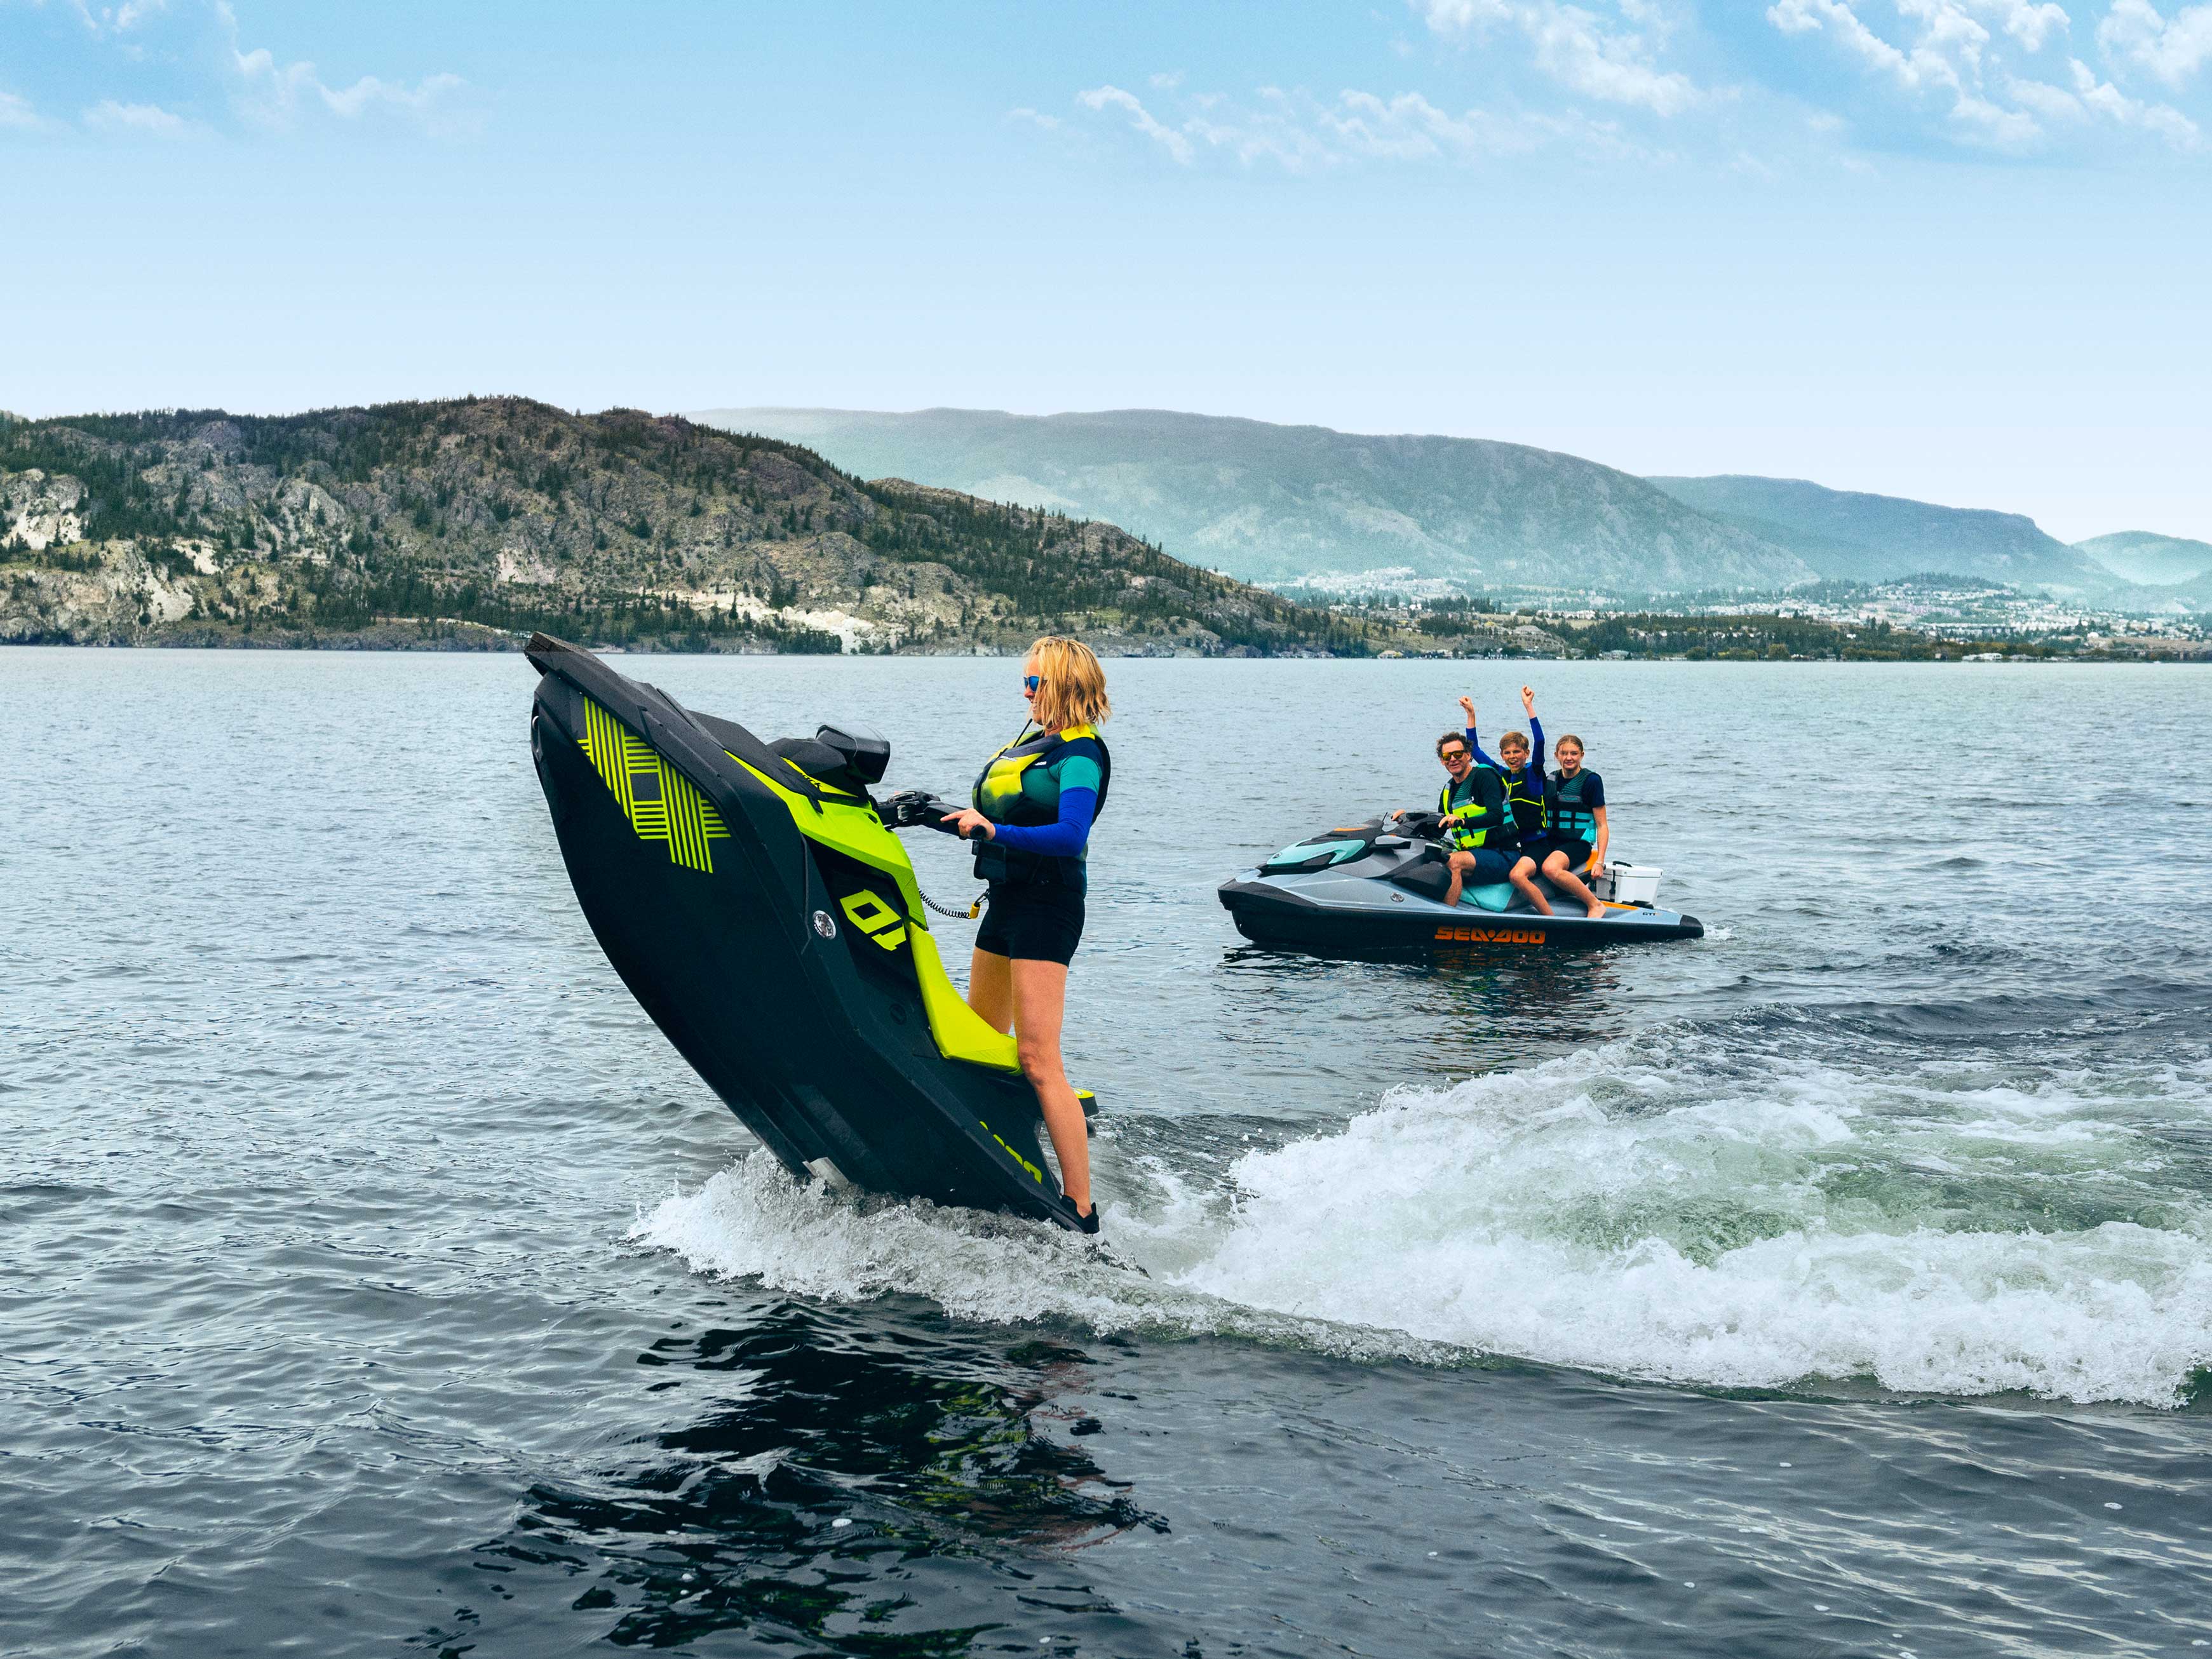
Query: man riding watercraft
x=1471 y=809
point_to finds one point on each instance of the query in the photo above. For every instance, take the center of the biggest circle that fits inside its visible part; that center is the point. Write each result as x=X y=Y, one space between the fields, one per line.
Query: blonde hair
x=1071 y=685
x=1512 y=740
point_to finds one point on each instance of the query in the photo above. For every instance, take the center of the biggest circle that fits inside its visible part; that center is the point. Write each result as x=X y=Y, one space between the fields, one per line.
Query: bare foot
x=1597 y=910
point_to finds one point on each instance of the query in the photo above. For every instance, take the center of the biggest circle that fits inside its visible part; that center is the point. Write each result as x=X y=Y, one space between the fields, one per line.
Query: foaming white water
x=1671 y=1213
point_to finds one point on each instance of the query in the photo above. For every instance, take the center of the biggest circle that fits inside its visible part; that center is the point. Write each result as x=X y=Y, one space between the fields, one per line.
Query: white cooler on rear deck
x=1634 y=884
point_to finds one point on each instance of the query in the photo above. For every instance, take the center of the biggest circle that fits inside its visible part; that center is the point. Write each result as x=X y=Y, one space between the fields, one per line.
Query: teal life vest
x=1018 y=787
x=1463 y=798
x=1564 y=814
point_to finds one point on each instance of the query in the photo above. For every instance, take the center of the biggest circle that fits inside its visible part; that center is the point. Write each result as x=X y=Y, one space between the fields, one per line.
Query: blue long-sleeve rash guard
x=1063 y=838
x=1535 y=748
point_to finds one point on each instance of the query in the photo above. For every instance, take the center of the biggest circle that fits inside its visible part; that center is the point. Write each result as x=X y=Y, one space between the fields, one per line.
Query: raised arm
x=1535 y=732
x=1474 y=743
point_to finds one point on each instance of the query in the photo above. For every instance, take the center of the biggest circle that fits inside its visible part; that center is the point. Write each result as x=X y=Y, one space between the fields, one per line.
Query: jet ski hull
x=1384 y=923
x=1378 y=889
x=769 y=926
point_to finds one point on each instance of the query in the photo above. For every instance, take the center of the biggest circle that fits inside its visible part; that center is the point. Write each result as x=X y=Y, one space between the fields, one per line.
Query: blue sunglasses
x=1030 y=681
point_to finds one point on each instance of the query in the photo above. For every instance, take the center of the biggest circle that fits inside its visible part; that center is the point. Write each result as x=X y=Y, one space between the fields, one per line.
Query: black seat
x=820 y=762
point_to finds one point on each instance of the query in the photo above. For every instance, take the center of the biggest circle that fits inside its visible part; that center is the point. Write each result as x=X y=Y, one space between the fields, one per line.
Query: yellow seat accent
x=857 y=832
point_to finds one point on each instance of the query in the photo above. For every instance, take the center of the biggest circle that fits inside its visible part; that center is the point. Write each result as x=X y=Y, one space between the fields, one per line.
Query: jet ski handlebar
x=1419 y=826
x=912 y=807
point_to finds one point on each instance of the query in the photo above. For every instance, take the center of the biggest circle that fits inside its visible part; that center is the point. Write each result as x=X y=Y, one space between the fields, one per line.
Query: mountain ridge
x=1270 y=503
x=1308 y=505
x=2149 y=559
x=505 y=514
x=1861 y=536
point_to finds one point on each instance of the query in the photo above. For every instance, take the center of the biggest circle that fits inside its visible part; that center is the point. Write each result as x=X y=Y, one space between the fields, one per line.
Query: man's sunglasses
x=1030 y=681
x=1452 y=755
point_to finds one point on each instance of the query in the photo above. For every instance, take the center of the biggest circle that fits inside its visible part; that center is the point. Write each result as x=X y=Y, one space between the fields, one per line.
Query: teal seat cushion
x=1494 y=897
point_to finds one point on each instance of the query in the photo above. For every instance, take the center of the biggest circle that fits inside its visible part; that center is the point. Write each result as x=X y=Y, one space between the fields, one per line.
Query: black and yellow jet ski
x=753 y=896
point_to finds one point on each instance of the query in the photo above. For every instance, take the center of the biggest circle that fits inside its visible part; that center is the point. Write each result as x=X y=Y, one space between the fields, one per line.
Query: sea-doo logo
x=874 y=918
x=1450 y=935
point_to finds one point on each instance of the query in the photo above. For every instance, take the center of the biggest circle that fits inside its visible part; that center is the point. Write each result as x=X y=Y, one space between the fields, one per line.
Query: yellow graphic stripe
x=668 y=808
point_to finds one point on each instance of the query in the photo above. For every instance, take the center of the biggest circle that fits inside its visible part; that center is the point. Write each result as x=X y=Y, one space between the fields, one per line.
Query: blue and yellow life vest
x=1017 y=786
x=1565 y=818
x=1527 y=806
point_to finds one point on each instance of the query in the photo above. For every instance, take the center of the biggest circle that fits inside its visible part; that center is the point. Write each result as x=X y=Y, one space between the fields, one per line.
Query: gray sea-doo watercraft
x=753 y=896
x=1378 y=889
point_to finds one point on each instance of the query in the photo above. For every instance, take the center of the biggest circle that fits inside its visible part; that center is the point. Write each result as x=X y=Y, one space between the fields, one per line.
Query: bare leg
x=1524 y=877
x=1555 y=872
x=1040 y=1000
x=1460 y=864
x=991 y=989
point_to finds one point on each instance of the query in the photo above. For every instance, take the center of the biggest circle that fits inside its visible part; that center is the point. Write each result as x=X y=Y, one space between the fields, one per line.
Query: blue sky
x=1956 y=249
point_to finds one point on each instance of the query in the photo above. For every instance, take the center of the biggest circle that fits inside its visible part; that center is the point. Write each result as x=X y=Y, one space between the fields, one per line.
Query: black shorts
x=1032 y=922
x=1578 y=852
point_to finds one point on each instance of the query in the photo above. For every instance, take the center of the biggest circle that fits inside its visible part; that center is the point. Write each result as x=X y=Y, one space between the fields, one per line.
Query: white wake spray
x=1667 y=1211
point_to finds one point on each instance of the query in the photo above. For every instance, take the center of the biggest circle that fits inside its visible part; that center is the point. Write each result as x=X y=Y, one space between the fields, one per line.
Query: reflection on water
x=884 y=1491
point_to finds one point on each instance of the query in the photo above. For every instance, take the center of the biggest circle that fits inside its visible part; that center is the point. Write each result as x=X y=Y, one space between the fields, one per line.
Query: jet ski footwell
x=766 y=919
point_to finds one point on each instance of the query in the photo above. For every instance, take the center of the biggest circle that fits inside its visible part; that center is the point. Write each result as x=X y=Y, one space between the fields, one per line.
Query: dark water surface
x=377 y=1280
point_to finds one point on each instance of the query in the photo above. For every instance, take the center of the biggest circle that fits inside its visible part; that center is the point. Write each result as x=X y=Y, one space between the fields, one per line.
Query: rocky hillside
x=1282 y=503
x=1849 y=536
x=471 y=522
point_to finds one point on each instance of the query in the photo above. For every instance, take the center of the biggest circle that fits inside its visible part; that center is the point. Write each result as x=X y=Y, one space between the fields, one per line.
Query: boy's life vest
x=1566 y=816
x=1020 y=786
x=1525 y=794
x=1480 y=800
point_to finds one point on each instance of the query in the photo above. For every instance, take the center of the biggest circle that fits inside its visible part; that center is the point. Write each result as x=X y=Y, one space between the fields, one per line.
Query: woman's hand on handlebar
x=966 y=822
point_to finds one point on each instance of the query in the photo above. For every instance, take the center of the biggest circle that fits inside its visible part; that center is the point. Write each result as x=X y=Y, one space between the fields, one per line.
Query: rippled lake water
x=378 y=1281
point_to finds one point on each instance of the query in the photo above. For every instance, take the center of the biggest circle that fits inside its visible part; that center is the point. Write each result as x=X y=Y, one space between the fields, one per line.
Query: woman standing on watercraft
x=1030 y=817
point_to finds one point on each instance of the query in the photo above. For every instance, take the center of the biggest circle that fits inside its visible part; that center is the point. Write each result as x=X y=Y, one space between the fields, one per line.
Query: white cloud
x=2109 y=101
x=1950 y=53
x=1572 y=48
x=2173 y=48
x=273 y=95
x=17 y=113
x=115 y=20
x=1034 y=116
x=1100 y=98
x=149 y=119
x=1302 y=134
x=1945 y=56
x=1167 y=81
x=1578 y=48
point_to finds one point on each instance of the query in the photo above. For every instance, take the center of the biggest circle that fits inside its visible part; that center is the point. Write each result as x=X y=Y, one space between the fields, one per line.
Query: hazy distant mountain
x=1275 y=503
x=1859 y=537
x=2138 y=555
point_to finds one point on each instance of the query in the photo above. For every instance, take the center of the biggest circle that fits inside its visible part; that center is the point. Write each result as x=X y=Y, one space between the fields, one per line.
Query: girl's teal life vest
x=1564 y=814
x=1467 y=806
x=1018 y=786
